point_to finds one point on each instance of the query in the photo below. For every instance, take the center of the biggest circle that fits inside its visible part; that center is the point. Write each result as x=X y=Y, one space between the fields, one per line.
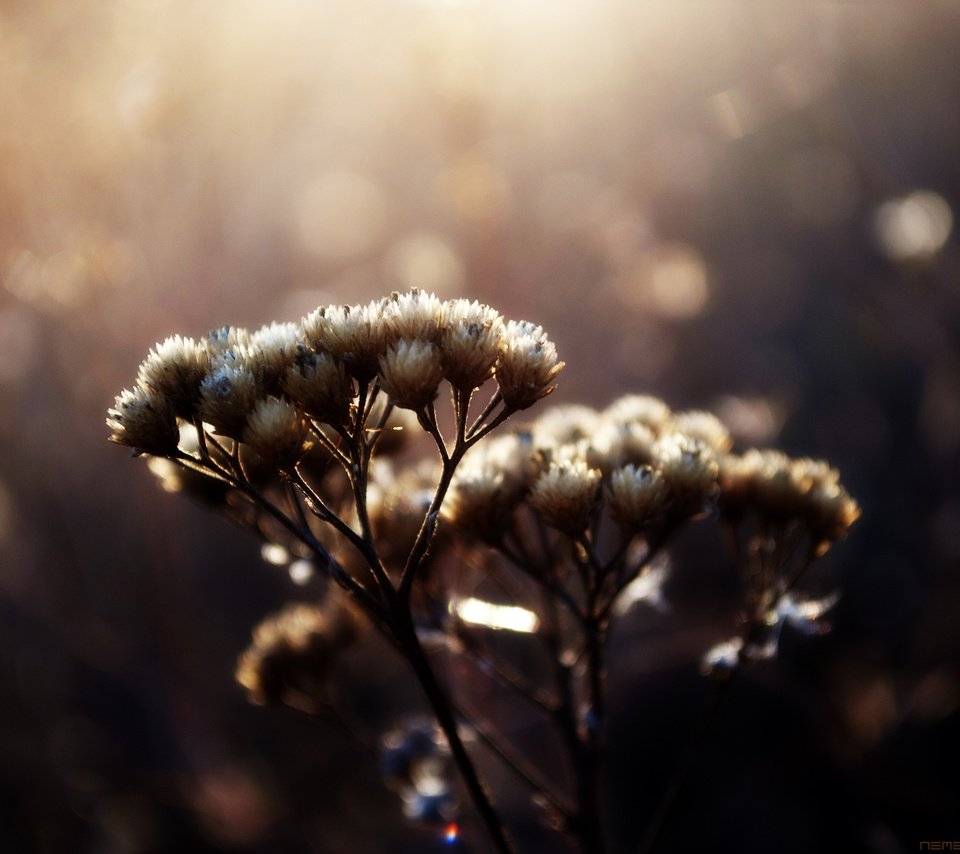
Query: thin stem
x=328 y=445
x=319 y=509
x=508 y=678
x=487 y=411
x=442 y=709
x=540 y=574
x=523 y=769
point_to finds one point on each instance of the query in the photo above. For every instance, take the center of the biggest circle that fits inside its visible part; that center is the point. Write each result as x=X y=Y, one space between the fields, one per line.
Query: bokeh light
x=914 y=227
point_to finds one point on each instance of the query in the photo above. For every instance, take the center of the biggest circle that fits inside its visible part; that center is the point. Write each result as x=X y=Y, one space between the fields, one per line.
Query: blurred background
x=748 y=207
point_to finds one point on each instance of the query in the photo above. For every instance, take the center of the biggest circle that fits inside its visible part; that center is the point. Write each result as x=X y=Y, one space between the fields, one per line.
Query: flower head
x=174 y=369
x=410 y=372
x=354 y=334
x=276 y=431
x=643 y=409
x=293 y=653
x=470 y=338
x=143 y=419
x=690 y=470
x=638 y=495
x=566 y=494
x=705 y=427
x=415 y=315
x=320 y=386
x=528 y=365
x=227 y=395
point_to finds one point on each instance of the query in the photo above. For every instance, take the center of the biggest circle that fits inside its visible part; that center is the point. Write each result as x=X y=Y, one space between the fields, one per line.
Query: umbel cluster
x=300 y=433
x=266 y=388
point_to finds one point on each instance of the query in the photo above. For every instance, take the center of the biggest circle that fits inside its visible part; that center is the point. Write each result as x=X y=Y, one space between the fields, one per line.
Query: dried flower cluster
x=294 y=432
x=264 y=388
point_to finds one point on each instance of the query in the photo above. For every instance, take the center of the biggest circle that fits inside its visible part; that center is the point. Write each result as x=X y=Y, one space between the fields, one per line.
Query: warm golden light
x=509 y=617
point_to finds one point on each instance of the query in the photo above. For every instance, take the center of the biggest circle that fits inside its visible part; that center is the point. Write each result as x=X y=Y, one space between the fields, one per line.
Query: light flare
x=510 y=617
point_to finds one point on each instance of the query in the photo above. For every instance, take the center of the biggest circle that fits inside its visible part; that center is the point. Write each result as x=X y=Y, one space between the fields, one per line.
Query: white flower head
x=566 y=494
x=528 y=365
x=410 y=373
x=276 y=431
x=174 y=369
x=470 y=339
x=143 y=419
x=638 y=495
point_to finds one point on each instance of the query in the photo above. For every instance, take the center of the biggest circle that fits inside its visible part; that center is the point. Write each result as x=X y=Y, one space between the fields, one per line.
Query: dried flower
x=643 y=409
x=320 y=386
x=276 y=431
x=174 y=369
x=562 y=425
x=638 y=496
x=615 y=444
x=227 y=396
x=226 y=338
x=527 y=366
x=566 y=495
x=415 y=316
x=488 y=487
x=293 y=653
x=705 y=427
x=410 y=373
x=270 y=352
x=143 y=420
x=354 y=334
x=832 y=512
x=779 y=490
x=690 y=470
x=470 y=339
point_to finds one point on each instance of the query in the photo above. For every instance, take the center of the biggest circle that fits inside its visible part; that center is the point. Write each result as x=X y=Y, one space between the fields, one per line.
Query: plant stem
x=410 y=645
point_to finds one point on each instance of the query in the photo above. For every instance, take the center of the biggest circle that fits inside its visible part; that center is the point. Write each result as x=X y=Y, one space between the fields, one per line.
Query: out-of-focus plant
x=295 y=432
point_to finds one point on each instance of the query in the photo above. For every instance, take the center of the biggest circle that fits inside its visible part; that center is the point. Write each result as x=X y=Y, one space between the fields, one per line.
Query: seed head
x=320 y=386
x=566 y=495
x=143 y=419
x=831 y=514
x=270 y=352
x=562 y=425
x=410 y=372
x=690 y=470
x=276 y=431
x=488 y=486
x=174 y=369
x=652 y=412
x=779 y=489
x=704 y=426
x=227 y=395
x=354 y=334
x=415 y=316
x=225 y=338
x=527 y=366
x=615 y=444
x=293 y=653
x=470 y=339
x=638 y=496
